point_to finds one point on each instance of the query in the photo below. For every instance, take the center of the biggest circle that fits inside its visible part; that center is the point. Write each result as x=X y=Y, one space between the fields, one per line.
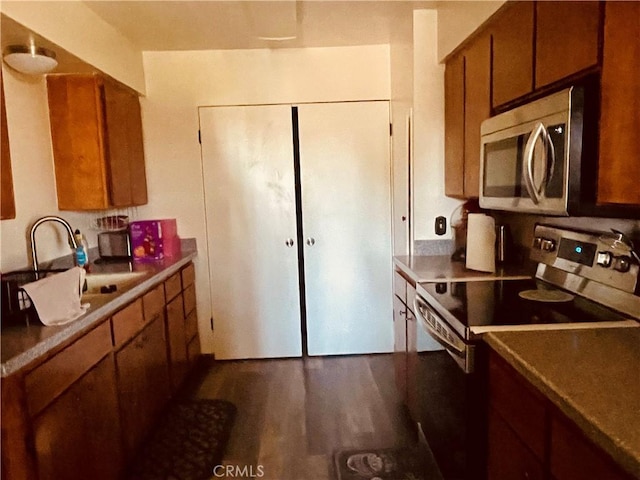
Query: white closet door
x=247 y=155
x=345 y=176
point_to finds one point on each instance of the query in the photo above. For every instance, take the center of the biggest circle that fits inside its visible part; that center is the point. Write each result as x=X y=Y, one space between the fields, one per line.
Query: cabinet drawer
x=188 y=275
x=518 y=405
x=127 y=322
x=191 y=325
x=173 y=286
x=51 y=378
x=153 y=302
x=189 y=300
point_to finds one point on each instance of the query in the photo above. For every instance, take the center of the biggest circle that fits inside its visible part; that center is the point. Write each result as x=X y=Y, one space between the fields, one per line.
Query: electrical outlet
x=441 y=225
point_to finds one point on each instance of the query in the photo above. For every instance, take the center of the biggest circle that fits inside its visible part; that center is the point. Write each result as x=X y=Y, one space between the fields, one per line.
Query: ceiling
x=211 y=25
x=161 y=25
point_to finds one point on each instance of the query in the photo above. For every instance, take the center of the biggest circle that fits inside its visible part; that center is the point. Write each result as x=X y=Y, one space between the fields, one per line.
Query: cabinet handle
x=289 y=242
x=311 y=241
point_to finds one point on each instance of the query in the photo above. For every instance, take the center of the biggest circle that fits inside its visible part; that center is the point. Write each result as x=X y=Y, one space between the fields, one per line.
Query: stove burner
x=545 y=295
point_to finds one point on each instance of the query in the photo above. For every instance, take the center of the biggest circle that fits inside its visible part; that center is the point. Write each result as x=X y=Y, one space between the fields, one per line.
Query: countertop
x=422 y=268
x=24 y=345
x=591 y=375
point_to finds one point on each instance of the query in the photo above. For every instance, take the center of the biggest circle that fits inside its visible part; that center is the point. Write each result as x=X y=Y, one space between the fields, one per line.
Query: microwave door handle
x=550 y=154
x=527 y=171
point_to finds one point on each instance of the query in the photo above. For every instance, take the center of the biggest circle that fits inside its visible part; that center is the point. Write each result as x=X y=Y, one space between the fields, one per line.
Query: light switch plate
x=441 y=225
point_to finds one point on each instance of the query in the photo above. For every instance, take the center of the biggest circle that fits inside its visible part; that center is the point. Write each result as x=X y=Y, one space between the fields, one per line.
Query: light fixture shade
x=31 y=60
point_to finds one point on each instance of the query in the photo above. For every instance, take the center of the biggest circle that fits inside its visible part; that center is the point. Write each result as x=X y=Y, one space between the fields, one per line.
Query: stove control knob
x=547 y=245
x=622 y=263
x=604 y=259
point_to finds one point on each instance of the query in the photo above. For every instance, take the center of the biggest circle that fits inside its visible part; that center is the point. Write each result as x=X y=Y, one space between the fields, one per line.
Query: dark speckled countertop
x=22 y=346
x=591 y=375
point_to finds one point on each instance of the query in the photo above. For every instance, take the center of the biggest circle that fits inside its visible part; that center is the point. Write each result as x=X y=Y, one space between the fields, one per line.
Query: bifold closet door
x=346 y=211
x=247 y=155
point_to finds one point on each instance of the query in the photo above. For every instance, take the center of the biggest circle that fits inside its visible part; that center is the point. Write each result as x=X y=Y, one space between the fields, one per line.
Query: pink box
x=171 y=246
x=146 y=240
x=154 y=239
x=169 y=228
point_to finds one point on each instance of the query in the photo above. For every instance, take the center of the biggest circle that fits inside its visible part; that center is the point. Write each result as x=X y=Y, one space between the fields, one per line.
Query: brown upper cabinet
x=8 y=205
x=96 y=132
x=512 y=66
x=477 y=108
x=618 y=172
x=567 y=39
x=535 y=47
x=467 y=105
x=454 y=126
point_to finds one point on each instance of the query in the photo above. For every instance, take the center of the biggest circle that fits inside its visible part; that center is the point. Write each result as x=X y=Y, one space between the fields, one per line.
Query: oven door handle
x=420 y=307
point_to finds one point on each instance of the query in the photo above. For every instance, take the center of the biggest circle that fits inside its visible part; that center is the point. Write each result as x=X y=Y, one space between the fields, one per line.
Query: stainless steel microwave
x=533 y=157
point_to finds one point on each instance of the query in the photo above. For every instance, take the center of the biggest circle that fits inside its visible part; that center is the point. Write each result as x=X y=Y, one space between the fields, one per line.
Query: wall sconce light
x=30 y=59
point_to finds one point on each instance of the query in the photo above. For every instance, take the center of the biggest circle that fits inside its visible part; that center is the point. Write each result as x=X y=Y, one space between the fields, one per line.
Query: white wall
x=428 y=113
x=33 y=176
x=459 y=19
x=76 y=28
x=179 y=82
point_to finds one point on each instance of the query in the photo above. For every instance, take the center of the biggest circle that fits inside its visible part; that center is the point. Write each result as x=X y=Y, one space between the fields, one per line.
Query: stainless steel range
x=583 y=280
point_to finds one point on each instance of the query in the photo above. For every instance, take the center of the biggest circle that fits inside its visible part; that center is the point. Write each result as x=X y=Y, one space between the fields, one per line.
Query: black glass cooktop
x=498 y=302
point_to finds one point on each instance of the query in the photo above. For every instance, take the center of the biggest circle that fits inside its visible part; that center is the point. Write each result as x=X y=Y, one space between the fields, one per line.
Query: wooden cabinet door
x=454 y=127
x=143 y=382
x=477 y=108
x=567 y=38
x=512 y=67
x=78 y=436
x=177 y=338
x=8 y=206
x=128 y=185
x=77 y=135
x=508 y=456
x=96 y=134
x=574 y=457
x=618 y=172
x=400 y=346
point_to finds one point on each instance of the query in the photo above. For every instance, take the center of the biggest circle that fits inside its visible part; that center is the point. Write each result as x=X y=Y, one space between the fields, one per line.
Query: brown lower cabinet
x=82 y=411
x=530 y=438
x=177 y=337
x=72 y=441
x=143 y=382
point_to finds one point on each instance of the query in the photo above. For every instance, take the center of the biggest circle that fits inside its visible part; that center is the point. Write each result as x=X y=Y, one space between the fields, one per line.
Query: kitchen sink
x=107 y=283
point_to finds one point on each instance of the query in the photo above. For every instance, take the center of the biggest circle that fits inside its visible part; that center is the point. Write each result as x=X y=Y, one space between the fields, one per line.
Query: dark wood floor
x=294 y=414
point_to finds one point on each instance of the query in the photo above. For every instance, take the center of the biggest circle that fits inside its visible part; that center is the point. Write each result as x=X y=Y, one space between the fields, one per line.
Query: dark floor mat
x=188 y=443
x=381 y=464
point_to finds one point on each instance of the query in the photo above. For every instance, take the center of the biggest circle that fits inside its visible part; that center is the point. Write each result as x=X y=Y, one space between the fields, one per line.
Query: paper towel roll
x=481 y=241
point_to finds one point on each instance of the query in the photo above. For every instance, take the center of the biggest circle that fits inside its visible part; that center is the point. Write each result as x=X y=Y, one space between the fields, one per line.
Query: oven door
x=451 y=409
x=440 y=331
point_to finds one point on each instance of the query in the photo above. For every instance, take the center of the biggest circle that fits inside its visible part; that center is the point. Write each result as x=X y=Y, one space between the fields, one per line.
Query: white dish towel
x=57 y=297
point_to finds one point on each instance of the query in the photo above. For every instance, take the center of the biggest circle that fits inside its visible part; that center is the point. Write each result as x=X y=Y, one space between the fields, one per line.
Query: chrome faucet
x=32 y=235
